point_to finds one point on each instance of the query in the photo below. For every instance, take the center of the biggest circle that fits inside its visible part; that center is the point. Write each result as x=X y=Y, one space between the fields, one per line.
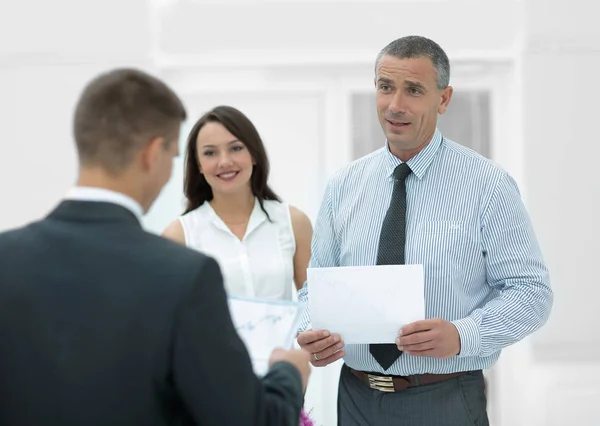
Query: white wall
x=48 y=51
x=561 y=64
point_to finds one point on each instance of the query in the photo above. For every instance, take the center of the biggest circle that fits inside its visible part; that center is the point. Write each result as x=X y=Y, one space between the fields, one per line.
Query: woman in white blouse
x=261 y=243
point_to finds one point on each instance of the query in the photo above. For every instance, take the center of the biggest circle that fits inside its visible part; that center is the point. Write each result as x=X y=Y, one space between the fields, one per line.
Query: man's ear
x=151 y=153
x=446 y=96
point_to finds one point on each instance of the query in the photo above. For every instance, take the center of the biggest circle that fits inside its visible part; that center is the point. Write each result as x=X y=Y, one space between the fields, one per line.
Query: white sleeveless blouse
x=262 y=263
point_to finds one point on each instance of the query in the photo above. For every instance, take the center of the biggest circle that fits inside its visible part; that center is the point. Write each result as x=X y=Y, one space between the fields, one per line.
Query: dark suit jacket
x=102 y=323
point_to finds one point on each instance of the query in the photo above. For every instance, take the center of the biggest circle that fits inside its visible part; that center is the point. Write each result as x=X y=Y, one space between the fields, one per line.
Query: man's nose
x=397 y=105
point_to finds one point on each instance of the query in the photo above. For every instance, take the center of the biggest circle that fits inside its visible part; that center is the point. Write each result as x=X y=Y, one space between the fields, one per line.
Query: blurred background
x=525 y=79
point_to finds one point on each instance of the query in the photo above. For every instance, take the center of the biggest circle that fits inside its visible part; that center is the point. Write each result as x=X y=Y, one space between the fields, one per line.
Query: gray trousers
x=459 y=401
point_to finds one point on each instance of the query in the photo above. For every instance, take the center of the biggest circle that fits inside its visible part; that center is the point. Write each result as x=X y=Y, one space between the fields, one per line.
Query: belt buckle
x=381 y=383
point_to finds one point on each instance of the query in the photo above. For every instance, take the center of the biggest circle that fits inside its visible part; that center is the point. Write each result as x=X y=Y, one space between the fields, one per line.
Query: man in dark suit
x=102 y=323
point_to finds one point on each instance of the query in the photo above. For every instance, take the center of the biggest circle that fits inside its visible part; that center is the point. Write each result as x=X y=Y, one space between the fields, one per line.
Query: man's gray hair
x=410 y=47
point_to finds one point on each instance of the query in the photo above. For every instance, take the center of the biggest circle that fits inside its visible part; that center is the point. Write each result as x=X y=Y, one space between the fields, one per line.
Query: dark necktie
x=391 y=251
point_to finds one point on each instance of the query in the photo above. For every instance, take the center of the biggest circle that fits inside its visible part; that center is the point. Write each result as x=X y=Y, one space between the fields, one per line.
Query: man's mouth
x=396 y=123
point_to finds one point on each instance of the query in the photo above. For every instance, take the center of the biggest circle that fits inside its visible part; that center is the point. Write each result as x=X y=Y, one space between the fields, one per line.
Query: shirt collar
x=257 y=216
x=420 y=162
x=86 y=193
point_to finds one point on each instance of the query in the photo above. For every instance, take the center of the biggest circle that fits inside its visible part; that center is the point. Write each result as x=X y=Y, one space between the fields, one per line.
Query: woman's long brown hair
x=196 y=188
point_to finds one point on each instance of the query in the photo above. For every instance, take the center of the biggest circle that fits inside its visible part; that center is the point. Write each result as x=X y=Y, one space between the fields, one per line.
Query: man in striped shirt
x=462 y=218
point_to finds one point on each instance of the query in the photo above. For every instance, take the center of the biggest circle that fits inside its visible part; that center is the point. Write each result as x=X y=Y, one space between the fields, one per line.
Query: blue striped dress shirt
x=466 y=224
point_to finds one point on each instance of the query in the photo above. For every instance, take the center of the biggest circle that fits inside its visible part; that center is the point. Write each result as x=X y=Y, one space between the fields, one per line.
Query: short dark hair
x=118 y=112
x=418 y=47
x=196 y=188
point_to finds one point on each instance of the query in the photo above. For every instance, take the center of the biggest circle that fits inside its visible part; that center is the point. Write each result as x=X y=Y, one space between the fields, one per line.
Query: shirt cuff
x=470 y=338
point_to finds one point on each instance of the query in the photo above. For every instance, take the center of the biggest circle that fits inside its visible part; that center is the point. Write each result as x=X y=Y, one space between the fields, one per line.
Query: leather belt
x=398 y=383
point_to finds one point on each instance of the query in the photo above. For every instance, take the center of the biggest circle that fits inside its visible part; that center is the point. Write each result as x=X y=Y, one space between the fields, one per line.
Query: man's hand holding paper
x=434 y=337
x=324 y=347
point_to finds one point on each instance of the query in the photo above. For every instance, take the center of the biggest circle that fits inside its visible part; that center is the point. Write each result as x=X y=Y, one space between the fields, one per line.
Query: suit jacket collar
x=94 y=193
x=93 y=211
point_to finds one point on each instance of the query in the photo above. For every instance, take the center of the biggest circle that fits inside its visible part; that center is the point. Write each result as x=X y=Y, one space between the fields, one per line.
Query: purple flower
x=305 y=419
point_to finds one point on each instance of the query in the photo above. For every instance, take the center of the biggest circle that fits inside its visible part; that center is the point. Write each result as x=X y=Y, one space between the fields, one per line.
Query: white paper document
x=366 y=304
x=264 y=325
